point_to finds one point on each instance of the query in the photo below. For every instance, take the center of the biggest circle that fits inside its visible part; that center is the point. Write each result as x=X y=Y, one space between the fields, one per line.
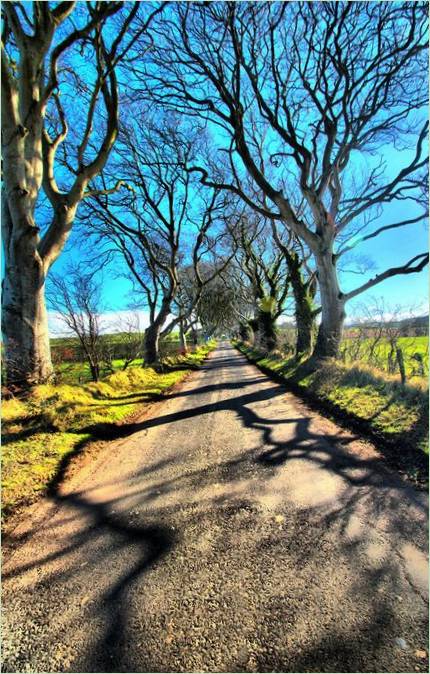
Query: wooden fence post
x=401 y=362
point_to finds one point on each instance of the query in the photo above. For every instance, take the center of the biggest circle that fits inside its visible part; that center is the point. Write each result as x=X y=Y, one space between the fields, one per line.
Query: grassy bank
x=380 y=407
x=56 y=421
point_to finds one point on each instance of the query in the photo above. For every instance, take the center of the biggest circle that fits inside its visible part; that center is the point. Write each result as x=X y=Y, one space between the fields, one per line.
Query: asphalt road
x=230 y=530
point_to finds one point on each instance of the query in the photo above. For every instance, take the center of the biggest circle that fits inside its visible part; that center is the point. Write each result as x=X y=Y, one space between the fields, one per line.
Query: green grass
x=57 y=420
x=379 y=403
x=411 y=346
x=113 y=338
x=71 y=372
x=79 y=373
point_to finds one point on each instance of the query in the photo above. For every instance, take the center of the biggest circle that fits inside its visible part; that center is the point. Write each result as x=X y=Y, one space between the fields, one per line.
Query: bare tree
x=158 y=221
x=125 y=344
x=131 y=339
x=264 y=265
x=40 y=54
x=76 y=298
x=310 y=89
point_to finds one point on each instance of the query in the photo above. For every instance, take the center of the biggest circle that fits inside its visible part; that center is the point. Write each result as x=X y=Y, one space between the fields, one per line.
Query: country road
x=229 y=529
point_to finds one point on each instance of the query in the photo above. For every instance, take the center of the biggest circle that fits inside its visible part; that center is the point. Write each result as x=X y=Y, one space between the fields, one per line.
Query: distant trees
x=264 y=266
x=157 y=221
x=318 y=91
x=275 y=265
x=47 y=108
x=76 y=299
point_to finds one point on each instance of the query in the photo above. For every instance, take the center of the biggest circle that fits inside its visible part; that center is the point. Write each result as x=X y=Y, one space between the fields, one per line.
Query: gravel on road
x=230 y=529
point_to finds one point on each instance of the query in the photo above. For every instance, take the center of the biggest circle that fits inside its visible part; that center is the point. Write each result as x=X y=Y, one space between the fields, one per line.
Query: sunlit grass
x=398 y=413
x=412 y=348
x=56 y=420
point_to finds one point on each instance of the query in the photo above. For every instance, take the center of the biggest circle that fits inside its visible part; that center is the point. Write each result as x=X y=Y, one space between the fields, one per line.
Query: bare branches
x=414 y=265
x=98 y=16
x=385 y=228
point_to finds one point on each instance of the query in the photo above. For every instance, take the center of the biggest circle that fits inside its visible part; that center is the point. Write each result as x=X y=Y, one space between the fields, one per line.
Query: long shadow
x=399 y=452
x=156 y=539
x=154 y=542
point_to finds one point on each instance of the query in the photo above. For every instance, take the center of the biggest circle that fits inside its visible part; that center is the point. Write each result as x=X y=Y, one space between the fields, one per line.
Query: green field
x=79 y=373
x=415 y=353
x=71 y=371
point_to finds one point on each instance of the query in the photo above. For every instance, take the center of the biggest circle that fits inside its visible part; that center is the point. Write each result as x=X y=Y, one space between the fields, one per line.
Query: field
x=415 y=353
x=377 y=350
x=70 y=365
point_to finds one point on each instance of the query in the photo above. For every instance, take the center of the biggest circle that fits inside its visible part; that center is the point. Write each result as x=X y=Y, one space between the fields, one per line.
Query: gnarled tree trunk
x=182 y=338
x=304 y=310
x=24 y=316
x=151 y=340
x=151 y=344
x=245 y=332
x=332 y=309
x=265 y=332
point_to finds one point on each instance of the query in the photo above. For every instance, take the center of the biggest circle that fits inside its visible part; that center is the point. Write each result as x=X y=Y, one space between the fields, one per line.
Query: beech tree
x=303 y=287
x=264 y=266
x=41 y=90
x=319 y=91
x=157 y=221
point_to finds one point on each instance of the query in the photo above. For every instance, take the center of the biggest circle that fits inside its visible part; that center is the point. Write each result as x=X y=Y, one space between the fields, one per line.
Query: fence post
x=401 y=362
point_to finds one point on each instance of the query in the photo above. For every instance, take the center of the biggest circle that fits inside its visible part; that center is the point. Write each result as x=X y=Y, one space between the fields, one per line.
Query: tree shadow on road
x=108 y=532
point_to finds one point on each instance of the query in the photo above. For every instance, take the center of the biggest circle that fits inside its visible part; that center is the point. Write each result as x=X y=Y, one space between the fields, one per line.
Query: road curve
x=230 y=530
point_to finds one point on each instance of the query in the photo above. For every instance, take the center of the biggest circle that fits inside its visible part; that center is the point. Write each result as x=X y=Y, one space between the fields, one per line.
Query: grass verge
x=395 y=416
x=58 y=421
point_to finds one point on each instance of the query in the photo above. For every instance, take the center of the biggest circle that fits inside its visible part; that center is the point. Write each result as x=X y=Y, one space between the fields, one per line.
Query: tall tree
x=304 y=286
x=41 y=54
x=264 y=265
x=318 y=90
x=159 y=222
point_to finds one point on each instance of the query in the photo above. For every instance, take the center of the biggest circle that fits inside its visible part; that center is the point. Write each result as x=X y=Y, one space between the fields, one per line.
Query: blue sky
x=389 y=249
x=392 y=248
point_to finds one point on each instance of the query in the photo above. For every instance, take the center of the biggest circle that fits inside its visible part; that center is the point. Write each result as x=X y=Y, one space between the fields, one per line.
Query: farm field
x=70 y=365
x=415 y=353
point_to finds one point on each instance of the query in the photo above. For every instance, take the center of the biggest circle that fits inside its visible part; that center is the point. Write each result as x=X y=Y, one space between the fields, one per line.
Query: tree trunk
x=332 y=309
x=194 y=336
x=401 y=362
x=304 y=311
x=95 y=371
x=24 y=315
x=265 y=333
x=305 y=323
x=151 y=347
x=182 y=338
x=245 y=332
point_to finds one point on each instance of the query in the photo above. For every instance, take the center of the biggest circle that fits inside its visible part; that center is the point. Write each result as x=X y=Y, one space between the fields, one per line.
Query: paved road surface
x=231 y=530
